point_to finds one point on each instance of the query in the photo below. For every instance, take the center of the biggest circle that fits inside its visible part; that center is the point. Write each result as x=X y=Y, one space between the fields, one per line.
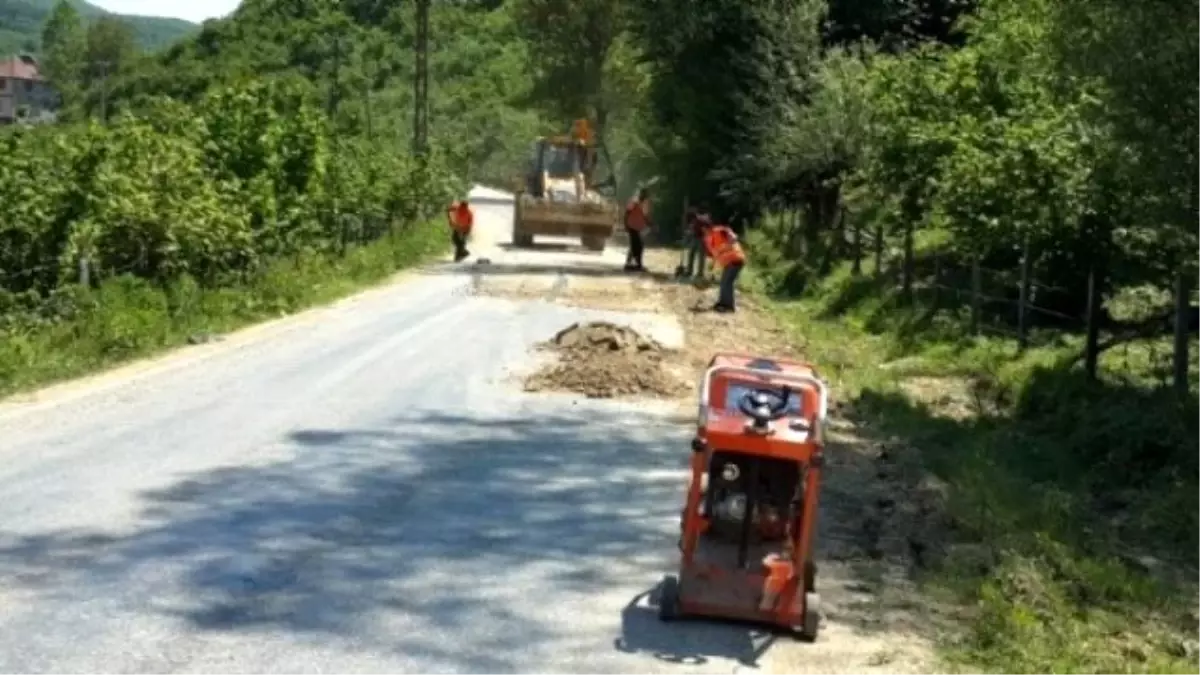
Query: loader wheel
x=812 y=618
x=668 y=598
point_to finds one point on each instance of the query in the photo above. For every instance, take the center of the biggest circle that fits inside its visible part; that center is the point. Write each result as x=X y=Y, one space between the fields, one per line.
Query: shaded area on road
x=643 y=632
x=397 y=536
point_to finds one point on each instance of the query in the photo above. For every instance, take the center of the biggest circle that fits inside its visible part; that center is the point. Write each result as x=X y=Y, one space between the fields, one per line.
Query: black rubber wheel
x=810 y=577
x=594 y=243
x=811 y=628
x=668 y=598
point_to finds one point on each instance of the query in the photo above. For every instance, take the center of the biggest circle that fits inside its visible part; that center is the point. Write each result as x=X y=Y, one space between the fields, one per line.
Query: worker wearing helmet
x=637 y=221
x=721 y=244
x=462 y=220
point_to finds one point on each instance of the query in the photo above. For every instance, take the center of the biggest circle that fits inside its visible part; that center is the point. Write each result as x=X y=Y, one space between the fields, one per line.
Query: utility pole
x=335 y=95
x=421 y=81
x=104 y=66
x=370 y=67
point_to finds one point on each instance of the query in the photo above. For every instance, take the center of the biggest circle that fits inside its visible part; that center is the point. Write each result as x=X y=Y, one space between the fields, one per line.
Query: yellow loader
x=558 y=198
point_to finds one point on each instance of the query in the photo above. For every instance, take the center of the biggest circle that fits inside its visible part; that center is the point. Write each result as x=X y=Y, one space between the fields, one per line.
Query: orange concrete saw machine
x=751 y=512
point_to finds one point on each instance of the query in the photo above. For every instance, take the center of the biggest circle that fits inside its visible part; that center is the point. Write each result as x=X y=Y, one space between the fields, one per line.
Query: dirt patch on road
x=614 y=293
x=629 y=294
x=606 y=360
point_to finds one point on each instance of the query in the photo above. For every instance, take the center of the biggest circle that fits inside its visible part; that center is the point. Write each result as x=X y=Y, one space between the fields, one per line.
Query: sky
x=192 y=10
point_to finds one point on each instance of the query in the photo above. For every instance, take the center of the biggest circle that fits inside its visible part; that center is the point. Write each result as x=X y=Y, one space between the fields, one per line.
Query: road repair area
x=474 y=468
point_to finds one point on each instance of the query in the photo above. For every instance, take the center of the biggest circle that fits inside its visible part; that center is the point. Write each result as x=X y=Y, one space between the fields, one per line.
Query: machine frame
x=768 y=574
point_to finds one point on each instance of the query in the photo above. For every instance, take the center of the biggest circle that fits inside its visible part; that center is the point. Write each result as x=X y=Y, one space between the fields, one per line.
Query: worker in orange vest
x=461 y=221
x=637 y=221
x=721 y=244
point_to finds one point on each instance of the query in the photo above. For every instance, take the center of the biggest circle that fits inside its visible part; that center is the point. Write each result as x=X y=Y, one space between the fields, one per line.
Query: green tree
x=895 y=25
x=1137 y=63
x=570 y=44
x=63 y=42
x=109 y=49
x=724 y=72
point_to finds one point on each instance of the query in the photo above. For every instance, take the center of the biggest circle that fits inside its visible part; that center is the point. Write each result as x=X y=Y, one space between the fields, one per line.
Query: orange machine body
x=750 y=514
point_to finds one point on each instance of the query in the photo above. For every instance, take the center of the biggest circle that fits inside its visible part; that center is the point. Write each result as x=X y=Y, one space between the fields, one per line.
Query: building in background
x=25 y=96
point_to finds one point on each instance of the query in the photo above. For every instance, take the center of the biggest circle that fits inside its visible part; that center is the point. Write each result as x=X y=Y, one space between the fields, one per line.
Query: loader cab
x=561 y=160
x=558 y=160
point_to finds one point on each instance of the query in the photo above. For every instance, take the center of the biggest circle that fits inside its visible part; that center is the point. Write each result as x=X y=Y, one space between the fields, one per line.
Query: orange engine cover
x=796 y=436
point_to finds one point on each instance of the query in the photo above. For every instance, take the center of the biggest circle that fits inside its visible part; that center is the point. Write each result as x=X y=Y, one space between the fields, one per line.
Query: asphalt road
x=361 y=488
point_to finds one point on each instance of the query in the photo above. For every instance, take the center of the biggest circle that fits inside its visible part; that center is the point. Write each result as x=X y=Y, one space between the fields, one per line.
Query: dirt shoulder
x=874 y=620
x=1005 y=491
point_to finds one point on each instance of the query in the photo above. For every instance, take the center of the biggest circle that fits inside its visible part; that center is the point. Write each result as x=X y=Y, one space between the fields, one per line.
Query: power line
x=421 y=81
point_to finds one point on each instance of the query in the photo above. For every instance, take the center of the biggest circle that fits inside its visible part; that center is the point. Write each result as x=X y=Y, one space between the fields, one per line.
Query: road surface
x=361 y=488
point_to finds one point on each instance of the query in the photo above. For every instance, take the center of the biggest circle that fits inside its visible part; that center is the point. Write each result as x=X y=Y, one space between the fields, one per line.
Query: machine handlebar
x=765 y=405
x=791 y=378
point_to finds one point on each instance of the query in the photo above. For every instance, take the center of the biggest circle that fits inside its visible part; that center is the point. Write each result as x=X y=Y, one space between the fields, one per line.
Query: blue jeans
x=695 y=259
x=729 y=277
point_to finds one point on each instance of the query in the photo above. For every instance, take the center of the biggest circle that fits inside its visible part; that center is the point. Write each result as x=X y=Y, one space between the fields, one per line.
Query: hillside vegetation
x=235 y=183
x=21 y=25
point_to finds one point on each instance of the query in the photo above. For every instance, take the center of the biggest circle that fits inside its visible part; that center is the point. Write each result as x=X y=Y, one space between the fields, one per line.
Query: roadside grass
x=1068 y=531
x=127 y=317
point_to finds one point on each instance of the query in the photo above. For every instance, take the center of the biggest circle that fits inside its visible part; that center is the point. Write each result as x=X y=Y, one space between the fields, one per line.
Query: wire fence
x=960 y=290
x=999 y=302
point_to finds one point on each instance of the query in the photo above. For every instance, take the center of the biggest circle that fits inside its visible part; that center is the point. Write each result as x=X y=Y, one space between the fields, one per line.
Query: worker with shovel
x=637 y=221
x=722 y=246
x=461 y=221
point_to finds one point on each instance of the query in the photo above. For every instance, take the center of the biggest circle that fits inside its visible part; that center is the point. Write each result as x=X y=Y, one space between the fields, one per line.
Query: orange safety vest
x=723 y=246
x=635 y=215
x=461 y=218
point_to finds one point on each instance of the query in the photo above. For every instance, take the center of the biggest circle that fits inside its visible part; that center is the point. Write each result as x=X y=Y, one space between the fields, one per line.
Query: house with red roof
x=25 y=96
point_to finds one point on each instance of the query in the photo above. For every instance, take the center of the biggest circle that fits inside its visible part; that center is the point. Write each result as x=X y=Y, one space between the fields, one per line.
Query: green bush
x=182 y=217
x=128 y=316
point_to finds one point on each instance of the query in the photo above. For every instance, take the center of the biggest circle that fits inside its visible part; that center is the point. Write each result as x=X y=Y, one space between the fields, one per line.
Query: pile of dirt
x=605 y=360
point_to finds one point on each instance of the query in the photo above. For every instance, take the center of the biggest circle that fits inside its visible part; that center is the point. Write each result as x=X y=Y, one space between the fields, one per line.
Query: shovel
x=685 y=247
